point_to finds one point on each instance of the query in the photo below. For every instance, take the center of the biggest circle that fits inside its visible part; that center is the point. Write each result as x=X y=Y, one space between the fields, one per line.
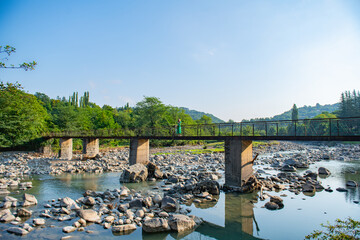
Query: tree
x=22 y=117
x=342 y=229
x=150 y=113
x=8 y=50
x=294 y=113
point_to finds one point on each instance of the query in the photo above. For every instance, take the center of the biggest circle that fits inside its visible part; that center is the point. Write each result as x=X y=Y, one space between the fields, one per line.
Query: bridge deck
x=330 y=129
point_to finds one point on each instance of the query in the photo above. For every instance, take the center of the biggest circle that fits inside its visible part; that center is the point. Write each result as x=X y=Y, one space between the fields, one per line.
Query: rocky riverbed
x=184 y=178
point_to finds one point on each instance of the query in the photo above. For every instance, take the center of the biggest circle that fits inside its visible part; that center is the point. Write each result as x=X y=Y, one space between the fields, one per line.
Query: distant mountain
x=305 y=112
x=197 y=115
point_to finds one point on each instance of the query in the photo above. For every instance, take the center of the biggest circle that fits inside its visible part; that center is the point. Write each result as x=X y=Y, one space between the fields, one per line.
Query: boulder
x=17 y=231
x=124 y=228
x=135 y=173
x=157 y=199
x=210 y=186
x=323 y=171
x=68 y=203
x=89 y=215
x=180 y=222
x=169 y=204
x=311 y=175
x=7 y=217
x=155 y=225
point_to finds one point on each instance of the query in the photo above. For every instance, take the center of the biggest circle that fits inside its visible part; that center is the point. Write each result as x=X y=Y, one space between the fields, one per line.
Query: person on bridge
x=178 y=129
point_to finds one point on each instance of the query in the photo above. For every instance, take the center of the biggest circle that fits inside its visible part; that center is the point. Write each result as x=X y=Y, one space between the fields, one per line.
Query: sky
x=234 y=59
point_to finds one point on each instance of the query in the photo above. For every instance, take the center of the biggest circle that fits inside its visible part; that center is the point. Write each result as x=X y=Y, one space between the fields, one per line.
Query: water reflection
x=239 y=219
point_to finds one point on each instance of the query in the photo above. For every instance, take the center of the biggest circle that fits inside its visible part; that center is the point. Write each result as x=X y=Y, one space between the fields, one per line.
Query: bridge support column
x=46 y=150
x=139 y=151
x=238 y=162
x=66 y=146
x=90 y=147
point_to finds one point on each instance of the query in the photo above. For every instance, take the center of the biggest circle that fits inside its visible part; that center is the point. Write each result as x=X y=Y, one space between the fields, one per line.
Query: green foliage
x=7 y=51
x=350 y=104
x=294 y=113
x=348 y=229
x=22 y=117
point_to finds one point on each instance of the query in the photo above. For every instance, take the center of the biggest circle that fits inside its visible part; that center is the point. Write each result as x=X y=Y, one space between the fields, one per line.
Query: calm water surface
x=232 y=216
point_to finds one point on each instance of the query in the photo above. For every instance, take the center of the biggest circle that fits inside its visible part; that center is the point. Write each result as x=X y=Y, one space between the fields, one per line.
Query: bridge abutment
x=238 y=162
x=90 y=147
x=66 y=146
x=139 y=151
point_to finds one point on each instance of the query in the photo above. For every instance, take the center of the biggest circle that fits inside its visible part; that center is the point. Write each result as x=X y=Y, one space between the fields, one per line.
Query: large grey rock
x=135 y=173
x=124 y=228
x=210 y=186
x=17 y=231
x=169 y=204
x=136 y=203
x=277 y=200
x=180 y=222
x=89 y=215
x=323 y=171
x=155 y=225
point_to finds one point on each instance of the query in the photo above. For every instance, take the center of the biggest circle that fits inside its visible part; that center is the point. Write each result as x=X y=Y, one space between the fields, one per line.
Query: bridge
x=238 y=137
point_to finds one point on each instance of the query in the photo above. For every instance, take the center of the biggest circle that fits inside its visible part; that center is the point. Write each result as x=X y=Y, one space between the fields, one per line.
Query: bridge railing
x=303 y=127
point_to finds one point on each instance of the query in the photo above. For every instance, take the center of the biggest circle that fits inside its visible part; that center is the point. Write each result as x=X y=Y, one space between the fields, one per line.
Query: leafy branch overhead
x=8 y=50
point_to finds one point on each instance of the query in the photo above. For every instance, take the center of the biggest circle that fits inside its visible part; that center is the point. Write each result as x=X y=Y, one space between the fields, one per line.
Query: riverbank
x=182 y=169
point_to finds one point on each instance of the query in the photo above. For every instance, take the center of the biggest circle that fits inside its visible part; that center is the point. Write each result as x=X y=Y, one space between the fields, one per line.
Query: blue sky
x=234 y=59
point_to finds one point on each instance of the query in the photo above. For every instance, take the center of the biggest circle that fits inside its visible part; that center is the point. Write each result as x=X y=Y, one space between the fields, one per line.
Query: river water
x=232 y=216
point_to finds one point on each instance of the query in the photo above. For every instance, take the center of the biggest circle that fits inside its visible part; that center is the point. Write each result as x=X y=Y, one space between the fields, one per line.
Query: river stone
x=277 y=200
x=140 y=213
x=163 y=214
x=109 y=219
x=311 y=175
x=29 y=200
x=90 y=201
x=154 y=171
x=8 y=217
x=155 y=225
x=157 y=199
x=308 y=187
x=124 y=228
x=89 y=215
x=271 y=206
x=22 y=212
x=135 y=173
x=210 y=186
x=323 y=171
x=288 y=168
x=39 y=221
x=169 y=204
x=136 y=203
x=124 y=192
x=351 y=183
x=340 y=189
x=148 y=202
x=17 y=231
x=68 y=229
x=180 y=222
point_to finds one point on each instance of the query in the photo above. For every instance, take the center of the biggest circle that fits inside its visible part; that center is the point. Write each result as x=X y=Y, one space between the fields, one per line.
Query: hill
x=305 y=112
x=197 y=115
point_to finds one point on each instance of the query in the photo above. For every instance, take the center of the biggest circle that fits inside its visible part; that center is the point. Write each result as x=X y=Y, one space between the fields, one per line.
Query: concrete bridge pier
x=238 y=162
x=139 y=151
x=90 y=147
x=66 y=146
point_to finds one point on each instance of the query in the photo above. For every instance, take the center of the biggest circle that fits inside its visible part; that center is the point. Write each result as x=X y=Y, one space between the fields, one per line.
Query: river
x=232 y=216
